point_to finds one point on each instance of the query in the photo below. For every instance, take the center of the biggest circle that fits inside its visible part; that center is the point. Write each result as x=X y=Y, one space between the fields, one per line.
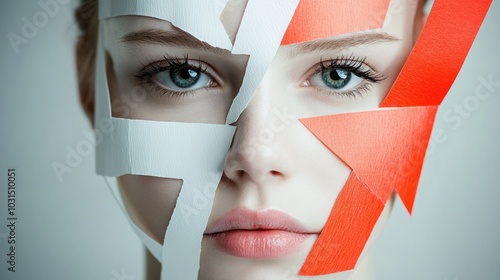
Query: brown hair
x=86 y=18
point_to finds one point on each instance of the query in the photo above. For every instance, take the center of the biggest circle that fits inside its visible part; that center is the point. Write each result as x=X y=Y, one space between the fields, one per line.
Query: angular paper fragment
x=439 y=53
x=385 y=148
x=316 y=19
x=343 y=236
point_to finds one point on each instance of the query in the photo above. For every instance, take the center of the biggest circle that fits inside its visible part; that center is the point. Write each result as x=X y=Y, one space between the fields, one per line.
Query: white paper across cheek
x=192 y=152
x=189 y=151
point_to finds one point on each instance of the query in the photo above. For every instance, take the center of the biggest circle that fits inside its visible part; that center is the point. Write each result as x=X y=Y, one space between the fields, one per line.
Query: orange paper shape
x=362 y=140
x=438 y=54
x=385 y=148
x=315 y=19
x=354 y=200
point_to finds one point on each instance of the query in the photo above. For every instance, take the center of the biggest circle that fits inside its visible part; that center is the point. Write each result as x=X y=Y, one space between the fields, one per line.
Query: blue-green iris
x=336 y=78
x=184 y=76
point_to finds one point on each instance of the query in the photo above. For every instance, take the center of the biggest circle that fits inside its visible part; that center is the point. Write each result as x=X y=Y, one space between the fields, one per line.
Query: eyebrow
x=174 y=38
x=181 y=39
x=339 y=43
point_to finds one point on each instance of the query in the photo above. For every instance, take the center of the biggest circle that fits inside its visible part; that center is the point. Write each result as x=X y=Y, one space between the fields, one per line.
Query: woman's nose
x=260 y=152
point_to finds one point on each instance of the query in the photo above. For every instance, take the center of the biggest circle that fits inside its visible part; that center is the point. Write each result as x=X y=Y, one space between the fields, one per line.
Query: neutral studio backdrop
x=73 y=229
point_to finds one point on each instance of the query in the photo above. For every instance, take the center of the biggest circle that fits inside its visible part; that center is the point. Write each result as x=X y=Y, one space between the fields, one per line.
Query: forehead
x=314 y=19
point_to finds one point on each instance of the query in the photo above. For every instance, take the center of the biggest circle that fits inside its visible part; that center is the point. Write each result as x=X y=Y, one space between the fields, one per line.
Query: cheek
x=322 y=177
x=150 y=202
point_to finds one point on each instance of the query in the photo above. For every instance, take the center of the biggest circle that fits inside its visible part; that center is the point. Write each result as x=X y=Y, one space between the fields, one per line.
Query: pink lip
x=257 y=234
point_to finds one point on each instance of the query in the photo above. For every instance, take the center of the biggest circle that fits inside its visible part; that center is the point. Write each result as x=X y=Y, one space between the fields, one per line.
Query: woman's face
x=276 y=173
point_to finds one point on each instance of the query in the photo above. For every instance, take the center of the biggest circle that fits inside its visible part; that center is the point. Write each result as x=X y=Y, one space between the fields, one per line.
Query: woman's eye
x=335 y=78
x=183 y=77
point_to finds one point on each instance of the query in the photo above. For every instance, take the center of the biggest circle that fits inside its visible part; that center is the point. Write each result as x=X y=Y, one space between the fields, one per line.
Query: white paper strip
x=192 y=152
x=188 y=151
x=259 y=35
x=200 y=18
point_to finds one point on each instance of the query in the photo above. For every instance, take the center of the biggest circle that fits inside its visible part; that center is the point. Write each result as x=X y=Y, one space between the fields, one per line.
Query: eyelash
x=355 y=66
x=350 y=63
x=148 y=71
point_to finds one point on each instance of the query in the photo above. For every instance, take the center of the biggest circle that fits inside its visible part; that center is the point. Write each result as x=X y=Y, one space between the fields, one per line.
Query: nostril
x=276 y=173
x=240 y=173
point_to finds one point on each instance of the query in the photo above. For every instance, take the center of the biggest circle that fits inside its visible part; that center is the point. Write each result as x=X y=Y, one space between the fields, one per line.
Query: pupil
x=184 y=77
x=187 y=73
x=336 y=78
x=338 y=74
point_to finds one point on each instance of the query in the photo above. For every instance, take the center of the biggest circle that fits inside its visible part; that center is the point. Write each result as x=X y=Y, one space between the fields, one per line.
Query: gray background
x=74 y=230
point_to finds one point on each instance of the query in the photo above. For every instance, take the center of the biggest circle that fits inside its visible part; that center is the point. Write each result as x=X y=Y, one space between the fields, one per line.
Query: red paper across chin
x=385 y=148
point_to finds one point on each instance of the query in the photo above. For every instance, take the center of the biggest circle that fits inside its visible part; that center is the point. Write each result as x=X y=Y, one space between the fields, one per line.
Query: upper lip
x=246 y=219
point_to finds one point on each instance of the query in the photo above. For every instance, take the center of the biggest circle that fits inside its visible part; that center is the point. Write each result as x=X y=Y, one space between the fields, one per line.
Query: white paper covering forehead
x=198 y=17
x=191 y=152
x=259 y=35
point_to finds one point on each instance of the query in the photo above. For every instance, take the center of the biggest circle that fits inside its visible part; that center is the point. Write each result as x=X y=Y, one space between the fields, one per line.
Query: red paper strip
x=345 y=236
x=315 y=19
x=385 y=148
x=438 y=54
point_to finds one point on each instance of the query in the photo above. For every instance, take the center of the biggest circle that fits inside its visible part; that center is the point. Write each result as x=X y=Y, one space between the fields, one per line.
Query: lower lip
x=259 y=244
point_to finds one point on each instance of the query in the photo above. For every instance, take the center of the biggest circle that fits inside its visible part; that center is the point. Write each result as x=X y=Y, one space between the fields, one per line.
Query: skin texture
x=258 y=174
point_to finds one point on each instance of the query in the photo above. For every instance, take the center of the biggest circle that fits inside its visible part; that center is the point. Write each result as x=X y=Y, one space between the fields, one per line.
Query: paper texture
x=192 y=152
x=390 y=143
x=195 y=152
x=260 y=39
x=308 y=22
